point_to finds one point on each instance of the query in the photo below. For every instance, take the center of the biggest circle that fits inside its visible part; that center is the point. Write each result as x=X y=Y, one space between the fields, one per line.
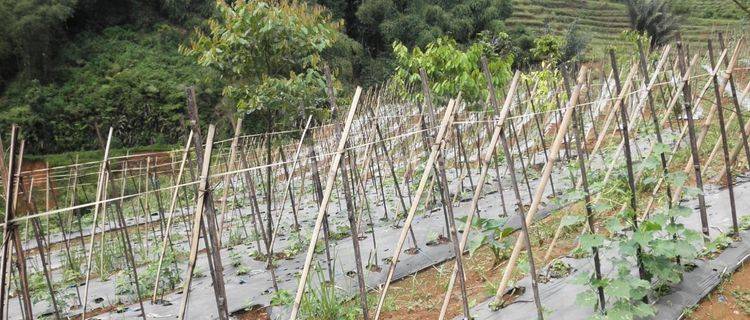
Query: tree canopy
x=269 y=54
x=450 y=69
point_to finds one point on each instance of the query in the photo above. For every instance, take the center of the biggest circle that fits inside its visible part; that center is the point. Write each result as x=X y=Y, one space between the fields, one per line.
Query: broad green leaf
x=571 y=220
x=588 y=241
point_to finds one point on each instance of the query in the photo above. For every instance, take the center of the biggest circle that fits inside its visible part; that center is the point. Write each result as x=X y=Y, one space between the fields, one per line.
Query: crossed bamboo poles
x=236 y=165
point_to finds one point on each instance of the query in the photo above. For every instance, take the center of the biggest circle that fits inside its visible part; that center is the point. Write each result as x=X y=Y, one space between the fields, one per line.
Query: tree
x=269 y=54
x=417 y=23
x=31 y=32
x=549 y=48
x=450 y=69
x=653 y=18
x=743 y=6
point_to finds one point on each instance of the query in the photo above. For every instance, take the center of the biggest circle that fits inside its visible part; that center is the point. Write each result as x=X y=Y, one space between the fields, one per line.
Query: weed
x=742 y=298
x=494 y=234
x=715 y=247
x=745 y=222
x=281 y=298
x=323 y=302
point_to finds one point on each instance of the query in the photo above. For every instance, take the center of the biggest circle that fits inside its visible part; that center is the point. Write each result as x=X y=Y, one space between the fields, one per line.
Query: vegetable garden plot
x=391 y=186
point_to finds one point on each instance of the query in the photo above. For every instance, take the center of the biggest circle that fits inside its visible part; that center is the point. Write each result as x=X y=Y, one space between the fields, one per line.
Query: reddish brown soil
x=723 y=304
x=420 y=295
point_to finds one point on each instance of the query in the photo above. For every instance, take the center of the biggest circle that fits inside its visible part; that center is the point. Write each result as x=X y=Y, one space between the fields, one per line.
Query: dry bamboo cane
x=437 y=144
x=452 y=232
x=40 y=245
x=230 y=168
x=579 y=138
x=629 y=166
x=15 y=238
x=693 y=145
x=209 y=227
x=736 y=148
x=203 y=192
x=287 y=191
x=97 y=205
x=724 y=143
x=488 y=155
x=122 y=226
x=172 y=205
x=288 y=187
x=633 y=124
x=66 y=240
x=350 y=207
x=516 y=192
x=330 y=181
x=9 y=179
x=539 y=193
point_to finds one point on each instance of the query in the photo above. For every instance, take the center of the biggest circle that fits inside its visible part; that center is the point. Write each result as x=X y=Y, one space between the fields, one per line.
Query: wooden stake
x=415 y=203
x=330 y=181
x=539 y=193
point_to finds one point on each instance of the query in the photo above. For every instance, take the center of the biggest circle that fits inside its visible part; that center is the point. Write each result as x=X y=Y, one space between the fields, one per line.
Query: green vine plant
x=494 y=234
x=665 y=245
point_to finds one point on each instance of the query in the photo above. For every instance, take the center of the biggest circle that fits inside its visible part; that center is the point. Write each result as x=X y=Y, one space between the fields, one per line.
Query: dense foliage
x=450 y=70
x=653 y=18
x=122 y=78
x=269 y=54
x=68 y=66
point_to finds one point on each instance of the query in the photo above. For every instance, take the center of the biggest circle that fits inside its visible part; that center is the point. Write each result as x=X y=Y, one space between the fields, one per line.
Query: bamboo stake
x=203 y=198
x=172 y=205
x=9 y=179
x=555 y=148
x=230 y=168
x=415 y=203
x=210 y=229
x=488 y=156
x=330 y=180
x=629 y=165
x=97 y=206
x=693 y=144
x=724 y=143
x=517 y=193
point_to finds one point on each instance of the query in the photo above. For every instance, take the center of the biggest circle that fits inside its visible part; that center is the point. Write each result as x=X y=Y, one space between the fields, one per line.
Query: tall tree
x=653 y=18
x=269 y=53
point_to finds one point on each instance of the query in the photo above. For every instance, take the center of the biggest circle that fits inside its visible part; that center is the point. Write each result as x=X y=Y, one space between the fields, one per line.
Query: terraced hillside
x=603 y=21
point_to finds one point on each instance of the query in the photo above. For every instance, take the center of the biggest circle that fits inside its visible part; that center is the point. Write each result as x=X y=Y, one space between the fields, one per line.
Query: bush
x=133 y=81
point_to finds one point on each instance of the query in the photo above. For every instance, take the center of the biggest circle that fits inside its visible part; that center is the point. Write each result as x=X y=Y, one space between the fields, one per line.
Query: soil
x=420 y=295
x=253 y=314
x=730 y=301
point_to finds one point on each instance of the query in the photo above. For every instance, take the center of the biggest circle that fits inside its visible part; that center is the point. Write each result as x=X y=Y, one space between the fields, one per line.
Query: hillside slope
x=603 y=21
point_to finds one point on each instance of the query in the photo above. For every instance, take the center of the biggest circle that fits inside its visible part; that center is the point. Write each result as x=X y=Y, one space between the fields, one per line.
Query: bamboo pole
x=438 y=143
x=486 y=159
x=203 y=198
x=172 y=205
x=693 y=144
x=9 y=179
x=516 y=192
x=330 y=181
x=97 y=206
x=555 y=148
x=724 y=142
x=225 y=182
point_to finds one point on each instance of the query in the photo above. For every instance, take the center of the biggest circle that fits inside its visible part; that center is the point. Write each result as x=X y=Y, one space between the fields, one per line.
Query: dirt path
x=730 y=301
